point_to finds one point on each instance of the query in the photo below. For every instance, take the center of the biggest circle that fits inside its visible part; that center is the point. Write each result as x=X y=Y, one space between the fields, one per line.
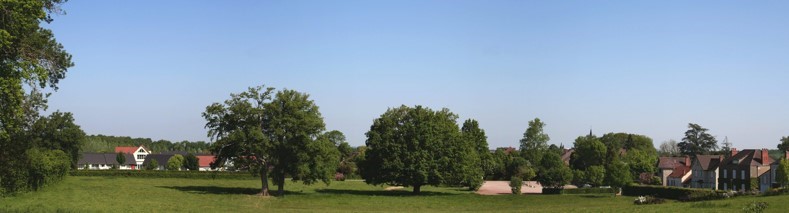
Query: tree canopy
x=534 y=141
x=697 y=141
x=417 y=146
x=784 y=145
x=259 y=132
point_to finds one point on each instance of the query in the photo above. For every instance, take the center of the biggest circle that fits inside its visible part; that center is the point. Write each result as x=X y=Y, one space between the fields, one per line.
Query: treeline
x=107 y=144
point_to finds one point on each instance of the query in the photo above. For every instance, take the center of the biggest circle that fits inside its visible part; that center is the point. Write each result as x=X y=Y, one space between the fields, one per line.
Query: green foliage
x=675 y=193
x=784 y=145
x=589 y=191
x=418 y=146
x=618 y=174
x=58 y=131
x=589 y=151
x=107 y=144
x=755 y=207
x=640 y=161
x=287 y=141
x=120 y=158
x=191 y=162
x=515 y=185
x=475 y=136
x=782 y=173
x=165 y=174
x=534 y=141
x=553 y=172
x=697 y=141
x=175 y=163
x=46 y=167
x=152 y=165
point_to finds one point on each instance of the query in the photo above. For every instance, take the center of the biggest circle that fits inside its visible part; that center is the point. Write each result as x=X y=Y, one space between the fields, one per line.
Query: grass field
x=113 y=194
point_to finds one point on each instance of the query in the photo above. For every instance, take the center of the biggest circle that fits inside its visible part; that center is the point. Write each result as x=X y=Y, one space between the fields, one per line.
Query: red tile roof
x=680 y=171
x=126 y=149
x=205 y=160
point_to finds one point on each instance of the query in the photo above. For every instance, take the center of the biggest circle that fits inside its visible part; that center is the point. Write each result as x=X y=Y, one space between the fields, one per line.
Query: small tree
x=618 y=174
x=784 y=145
x=175 y=162
x=153 y=165
x=120 y=158
x=553 y=172
x=515 y=185
x=782 y=173
x=191 y=162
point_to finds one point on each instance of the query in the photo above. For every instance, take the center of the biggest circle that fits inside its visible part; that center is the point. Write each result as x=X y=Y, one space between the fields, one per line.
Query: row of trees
x=107 y=144
x=34 y=150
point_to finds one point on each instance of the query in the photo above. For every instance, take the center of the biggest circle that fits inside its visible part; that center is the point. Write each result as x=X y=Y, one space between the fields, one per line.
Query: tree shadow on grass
x=398 y=193
x=597 y=196
x=224 y=190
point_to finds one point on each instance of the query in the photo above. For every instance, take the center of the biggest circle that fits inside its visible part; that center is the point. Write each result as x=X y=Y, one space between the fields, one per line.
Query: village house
x=139 y=153
x=774 y=170
x=100 y=161
x=744 y=169
x=205 y=163
x=667 y=165
x=705 y=171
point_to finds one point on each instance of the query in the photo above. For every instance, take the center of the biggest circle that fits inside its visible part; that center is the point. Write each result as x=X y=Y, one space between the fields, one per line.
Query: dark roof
x=161 y=159
x=182 y=153
x=747 y=158
x=680 y=171
x=670 y=162
x=709 y=162
x=104 y=158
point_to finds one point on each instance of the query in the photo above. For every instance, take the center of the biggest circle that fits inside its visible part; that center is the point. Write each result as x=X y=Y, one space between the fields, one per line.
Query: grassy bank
x=89 y=194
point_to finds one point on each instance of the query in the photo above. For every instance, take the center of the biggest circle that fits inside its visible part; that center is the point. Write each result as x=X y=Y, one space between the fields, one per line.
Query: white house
x=101 y=161
x=139 y=153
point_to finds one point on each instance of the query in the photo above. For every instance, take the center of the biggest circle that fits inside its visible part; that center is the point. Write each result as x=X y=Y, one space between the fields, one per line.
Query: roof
x=566 y=155
x=709 y=162
x=126 y=149
x=161 y=159
x=104 y=158
x=205 y=160
x=747 y=158
x=679 y=171
x=182 y=153
x=670 y=162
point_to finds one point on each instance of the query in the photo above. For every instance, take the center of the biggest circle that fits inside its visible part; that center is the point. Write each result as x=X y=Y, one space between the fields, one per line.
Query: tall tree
x=669 y=148
x=589 y=151
x=553 y=172
x=726 y=148
x=416 y=146
x=476 y=137
x=31 y=60
x=784 y=145
x=697 y=141
x=191 y=162
x=258 y=132
x=534 y=141
x=59 y=132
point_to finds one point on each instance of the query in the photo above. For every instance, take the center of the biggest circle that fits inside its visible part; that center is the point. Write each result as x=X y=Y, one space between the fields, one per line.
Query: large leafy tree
x=553 y=172
x=280 y=134
x=59 y=132
x=31 y=60
x=697 y=141
x=784 y=145
x=417 y=146
x=175 y=163
x=534 y=141
x=476 y=137
x=589 y=151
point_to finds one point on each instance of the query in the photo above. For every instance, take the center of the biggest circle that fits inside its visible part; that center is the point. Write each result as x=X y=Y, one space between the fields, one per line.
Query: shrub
x=166 y=174
x=551 y=191
x=515 y=185
x=755 y=207
x=152 y=165
x=643 y=200
x=46 y=167
x=675 y=193
x=776 y=191
x=339 y=176
x=175 y=162
x=589 y=191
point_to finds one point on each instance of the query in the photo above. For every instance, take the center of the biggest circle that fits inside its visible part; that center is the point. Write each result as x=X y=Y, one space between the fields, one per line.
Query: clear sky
x=149 y=68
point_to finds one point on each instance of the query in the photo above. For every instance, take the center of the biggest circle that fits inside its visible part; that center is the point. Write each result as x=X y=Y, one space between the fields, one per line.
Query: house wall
x=664 y=176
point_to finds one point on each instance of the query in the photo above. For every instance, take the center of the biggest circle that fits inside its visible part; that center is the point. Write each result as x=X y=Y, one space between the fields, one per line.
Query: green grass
x=113 y=194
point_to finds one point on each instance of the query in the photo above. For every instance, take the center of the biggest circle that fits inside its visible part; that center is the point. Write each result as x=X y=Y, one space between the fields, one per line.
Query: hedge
x=166 y=174
x=579 y=191
x=675 y=193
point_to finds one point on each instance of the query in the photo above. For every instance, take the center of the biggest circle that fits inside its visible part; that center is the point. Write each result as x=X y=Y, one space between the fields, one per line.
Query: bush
x=166 y=174
x=643 y=200
x=776 y=191
x=675 y=193
x=551 y=191
x=589 y=191
x=755 y=207
x=46 y=167
x=339 y=176
x=515 y=185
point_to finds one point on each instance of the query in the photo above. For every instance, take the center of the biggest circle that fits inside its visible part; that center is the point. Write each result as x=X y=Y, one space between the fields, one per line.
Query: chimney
x=687 y=160
x=733 y=151
x=765 y=157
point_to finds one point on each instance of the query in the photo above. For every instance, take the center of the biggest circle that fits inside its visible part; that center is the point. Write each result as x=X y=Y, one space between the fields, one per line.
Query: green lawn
x=86 y=194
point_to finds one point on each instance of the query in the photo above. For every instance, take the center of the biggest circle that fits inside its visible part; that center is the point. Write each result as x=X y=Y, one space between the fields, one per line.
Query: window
x=140 y=151
x=725 y=187
x=742 y=187
x=140 y=157
x=724 y=173
x=733 y=174
x=742 y=174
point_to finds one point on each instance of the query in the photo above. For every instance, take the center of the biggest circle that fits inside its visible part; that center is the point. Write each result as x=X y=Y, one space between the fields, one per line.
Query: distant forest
x=107 y=144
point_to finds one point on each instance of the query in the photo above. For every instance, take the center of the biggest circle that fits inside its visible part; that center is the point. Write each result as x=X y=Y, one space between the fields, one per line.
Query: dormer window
x=140 y=151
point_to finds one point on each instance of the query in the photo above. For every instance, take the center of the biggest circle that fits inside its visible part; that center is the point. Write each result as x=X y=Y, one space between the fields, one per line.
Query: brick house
x=744 y=170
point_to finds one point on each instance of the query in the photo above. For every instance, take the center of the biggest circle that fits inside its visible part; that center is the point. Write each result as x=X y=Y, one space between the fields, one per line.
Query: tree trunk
x=281 y=187
x=264 y=182
x=417 y=189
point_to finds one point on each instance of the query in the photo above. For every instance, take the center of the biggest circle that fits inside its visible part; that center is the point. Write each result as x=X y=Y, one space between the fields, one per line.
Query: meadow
x=115 y=194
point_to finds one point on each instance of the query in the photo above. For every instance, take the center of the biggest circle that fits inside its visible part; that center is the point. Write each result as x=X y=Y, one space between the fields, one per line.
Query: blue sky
x=149 y=68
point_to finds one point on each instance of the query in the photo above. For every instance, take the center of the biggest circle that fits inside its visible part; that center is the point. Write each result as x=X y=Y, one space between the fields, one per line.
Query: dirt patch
x=393 y=188
x=503 y=187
